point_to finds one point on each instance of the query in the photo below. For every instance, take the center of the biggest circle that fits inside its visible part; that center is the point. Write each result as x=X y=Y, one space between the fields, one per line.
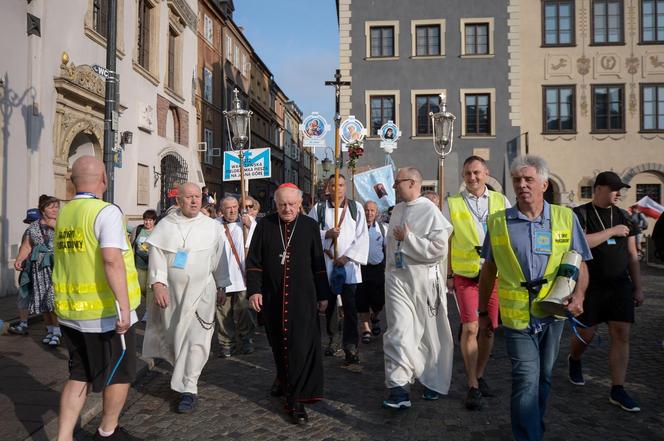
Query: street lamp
x=238 y=124
x=443 y=138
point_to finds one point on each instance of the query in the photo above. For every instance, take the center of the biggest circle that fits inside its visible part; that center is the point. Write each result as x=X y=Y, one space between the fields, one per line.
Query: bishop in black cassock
x=287 y=281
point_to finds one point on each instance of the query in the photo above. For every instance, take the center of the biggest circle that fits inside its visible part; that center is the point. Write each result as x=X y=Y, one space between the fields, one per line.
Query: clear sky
x=298 y=40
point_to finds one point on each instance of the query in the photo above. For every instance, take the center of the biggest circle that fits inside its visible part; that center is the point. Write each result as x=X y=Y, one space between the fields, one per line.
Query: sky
x=299 y=43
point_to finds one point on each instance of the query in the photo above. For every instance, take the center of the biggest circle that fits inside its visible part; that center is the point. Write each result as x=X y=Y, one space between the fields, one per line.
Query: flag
x=376 y=185
x=649 y=207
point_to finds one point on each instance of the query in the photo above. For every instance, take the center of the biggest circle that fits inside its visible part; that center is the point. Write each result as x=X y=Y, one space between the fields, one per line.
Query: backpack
x=320 y=212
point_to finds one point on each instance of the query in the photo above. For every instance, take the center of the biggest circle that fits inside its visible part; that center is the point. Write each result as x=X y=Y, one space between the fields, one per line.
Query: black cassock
x=290 y=295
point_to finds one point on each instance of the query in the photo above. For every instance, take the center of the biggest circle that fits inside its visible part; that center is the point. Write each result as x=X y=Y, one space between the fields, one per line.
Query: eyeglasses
x=399 y=181
x=250 y=205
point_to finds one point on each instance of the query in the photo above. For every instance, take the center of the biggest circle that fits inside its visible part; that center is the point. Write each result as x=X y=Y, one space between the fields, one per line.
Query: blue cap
x=338 y=279
x=32 y=215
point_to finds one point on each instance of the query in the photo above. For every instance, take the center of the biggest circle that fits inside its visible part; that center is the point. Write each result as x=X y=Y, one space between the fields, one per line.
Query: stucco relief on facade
x=653 y=63
x=654 y=167
x=607 y=64
x=558 y=65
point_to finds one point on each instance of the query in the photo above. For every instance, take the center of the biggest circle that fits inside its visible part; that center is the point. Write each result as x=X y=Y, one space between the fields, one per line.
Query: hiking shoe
x=430 y=395
x=118 y=434
x=19 y=329
x=484 y=388
x=474 y=399
x=575 y=371
x=619 y=397
x=187 y=403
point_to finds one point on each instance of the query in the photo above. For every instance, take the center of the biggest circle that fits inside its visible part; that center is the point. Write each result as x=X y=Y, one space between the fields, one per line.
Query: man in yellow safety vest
x=524 y=246
x=94 y=269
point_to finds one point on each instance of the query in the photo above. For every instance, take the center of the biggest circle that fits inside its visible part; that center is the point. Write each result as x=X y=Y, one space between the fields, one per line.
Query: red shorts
x=467 y=295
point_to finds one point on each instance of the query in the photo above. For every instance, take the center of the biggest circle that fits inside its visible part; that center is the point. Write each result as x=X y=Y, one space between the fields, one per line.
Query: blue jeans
x=532 y=356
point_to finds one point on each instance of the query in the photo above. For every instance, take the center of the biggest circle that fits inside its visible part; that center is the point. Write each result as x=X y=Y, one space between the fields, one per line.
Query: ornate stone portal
x=79 y=109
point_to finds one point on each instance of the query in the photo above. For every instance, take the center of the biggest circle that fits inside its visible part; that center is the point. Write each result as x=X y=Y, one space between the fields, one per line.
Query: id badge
x=180 y=260
x=611 y=241
x=398 y=260
x=543 y=242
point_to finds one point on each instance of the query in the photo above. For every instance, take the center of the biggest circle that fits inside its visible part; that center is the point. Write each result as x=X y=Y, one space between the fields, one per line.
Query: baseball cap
x=32 y=215
x=611 y=179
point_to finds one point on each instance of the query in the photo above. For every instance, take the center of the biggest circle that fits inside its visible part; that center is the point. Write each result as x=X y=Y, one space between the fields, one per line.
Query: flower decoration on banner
x=355 y=152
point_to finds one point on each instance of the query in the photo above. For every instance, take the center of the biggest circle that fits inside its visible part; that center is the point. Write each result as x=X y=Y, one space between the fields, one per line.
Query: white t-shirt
x=110 y=232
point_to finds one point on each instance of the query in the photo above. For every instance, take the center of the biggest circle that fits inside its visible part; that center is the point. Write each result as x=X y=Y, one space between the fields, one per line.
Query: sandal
x=18 y=329
x=366 y=337
x=55 y=341
x=47 y=338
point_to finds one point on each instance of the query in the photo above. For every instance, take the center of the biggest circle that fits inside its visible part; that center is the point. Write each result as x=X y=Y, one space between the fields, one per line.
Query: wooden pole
x=337 y=153
x=243 y=198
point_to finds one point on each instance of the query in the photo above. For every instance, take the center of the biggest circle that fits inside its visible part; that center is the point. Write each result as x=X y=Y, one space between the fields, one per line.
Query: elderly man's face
x=229 y=207
x=190 y=200
x=288 y=202
x=370 y=211
x=528 y=185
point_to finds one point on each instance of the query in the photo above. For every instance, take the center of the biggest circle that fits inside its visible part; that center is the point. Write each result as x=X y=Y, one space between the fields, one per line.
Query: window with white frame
x=208 y=29
x=427 y=38
x=476 y=37
x=236 y=56
x=382 y=39
x=423 y=102
x=228 y=46
x=207 y=85
x=381 y=106
x=209 y=141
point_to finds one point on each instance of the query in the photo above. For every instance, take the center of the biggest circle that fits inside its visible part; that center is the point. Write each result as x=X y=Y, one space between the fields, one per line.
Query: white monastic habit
x=181 y=333
x=418 y=341
x=353 y=240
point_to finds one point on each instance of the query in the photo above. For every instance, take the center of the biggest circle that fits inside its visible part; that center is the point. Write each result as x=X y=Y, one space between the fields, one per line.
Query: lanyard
x=600 y=219
x=86 y=193
x=481 y=217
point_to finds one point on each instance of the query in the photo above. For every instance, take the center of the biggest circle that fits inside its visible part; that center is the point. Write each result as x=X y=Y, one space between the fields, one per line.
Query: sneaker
x=118 y=434
x=619 y=397
x=187 y=403
x=484 y=388
x=19 y=329
x=47 y=338
x=225 y=353
x=399 y=399
x=575 y=371
x=430 y=395
x=474 y=399
x=55 y=341
x=366 y=337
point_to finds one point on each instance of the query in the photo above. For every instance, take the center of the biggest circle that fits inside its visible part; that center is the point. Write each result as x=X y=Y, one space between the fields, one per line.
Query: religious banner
x=376 y=185
x=351 y=131
x=313 y=129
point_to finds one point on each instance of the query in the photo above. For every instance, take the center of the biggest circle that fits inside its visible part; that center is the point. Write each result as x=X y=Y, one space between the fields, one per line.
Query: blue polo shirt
x=522 y=232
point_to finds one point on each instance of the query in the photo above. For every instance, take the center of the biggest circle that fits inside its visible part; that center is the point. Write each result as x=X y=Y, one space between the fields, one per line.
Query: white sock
x=49 y=328
x=56 y=331
x=105 y=434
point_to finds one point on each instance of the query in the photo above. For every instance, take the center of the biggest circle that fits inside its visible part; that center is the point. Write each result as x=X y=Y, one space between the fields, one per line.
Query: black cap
x=611 y=179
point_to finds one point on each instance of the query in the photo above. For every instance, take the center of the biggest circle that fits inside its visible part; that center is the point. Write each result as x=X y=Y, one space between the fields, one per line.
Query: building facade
x=52 y=95
x=401 y=56
x=587 y=86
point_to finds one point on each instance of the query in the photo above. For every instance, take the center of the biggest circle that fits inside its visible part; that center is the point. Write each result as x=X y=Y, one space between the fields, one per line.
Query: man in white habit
x=352 y=245
x=188 y=271
x=418 y=343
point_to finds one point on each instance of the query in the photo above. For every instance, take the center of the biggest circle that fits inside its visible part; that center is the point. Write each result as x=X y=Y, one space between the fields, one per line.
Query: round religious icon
x=351 y=130
x=389 y=132
x=314 y=126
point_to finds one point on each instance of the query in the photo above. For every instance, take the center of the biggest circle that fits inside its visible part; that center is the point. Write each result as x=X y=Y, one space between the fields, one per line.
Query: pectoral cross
x=283 y=257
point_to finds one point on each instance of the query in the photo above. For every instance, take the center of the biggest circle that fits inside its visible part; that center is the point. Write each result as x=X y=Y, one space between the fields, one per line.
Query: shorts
x=92 y=357
x=468 y=299
x=611 y=301
x=371 y=292
x=23 y=302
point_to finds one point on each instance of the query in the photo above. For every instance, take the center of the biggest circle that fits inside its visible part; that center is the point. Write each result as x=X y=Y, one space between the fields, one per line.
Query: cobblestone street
x=235 y=403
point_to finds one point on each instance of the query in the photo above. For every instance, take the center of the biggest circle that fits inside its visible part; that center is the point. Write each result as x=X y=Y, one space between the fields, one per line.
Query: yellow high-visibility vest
x=79 y=280
x=514 y=298
x=465 y=258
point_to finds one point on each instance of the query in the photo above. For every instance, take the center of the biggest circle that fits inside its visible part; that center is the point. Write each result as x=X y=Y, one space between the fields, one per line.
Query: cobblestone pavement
x=235 y=403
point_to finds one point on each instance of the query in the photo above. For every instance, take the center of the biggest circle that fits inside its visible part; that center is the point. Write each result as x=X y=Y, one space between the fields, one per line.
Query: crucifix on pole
x=337 y=84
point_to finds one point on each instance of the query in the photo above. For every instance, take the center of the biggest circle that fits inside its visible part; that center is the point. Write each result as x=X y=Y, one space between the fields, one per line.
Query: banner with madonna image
x=376 y=185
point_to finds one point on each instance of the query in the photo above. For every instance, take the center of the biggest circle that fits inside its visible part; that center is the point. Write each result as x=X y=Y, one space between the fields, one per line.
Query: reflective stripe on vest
x=514 y=299
x=79 y=280
x=465 y=259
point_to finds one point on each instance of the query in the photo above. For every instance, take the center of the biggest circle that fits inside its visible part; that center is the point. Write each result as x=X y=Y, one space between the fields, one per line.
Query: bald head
x=88 y=174
x=408 y=183
x=189 y=199
x=412 y=173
